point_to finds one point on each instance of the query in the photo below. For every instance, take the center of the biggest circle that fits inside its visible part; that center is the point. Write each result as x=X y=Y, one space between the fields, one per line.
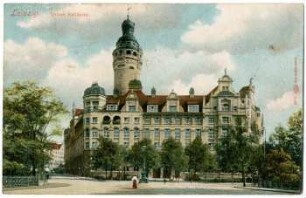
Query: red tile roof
x=78 y=112
x=55 y=146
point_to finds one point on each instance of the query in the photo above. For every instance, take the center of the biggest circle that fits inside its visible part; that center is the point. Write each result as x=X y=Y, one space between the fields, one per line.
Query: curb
x=271 y=189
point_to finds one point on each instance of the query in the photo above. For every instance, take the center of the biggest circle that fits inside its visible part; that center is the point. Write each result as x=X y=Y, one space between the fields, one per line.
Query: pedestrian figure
x=134 y=181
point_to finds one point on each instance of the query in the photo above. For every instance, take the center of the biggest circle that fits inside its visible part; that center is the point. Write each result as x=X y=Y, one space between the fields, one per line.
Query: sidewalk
x=270 y=189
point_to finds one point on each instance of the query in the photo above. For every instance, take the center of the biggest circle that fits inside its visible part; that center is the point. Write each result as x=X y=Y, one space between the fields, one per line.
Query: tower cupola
x=127 y=58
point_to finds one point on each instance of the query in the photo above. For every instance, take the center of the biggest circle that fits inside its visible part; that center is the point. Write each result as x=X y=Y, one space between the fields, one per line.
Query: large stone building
x=129 y=115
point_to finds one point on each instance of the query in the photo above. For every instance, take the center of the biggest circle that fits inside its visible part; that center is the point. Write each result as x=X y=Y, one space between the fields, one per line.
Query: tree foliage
x=235 y=151
x=144 y=155
x=199 y=157
x=290 y=139
x=173 y=157
x=281 y=169
x=28 y=110
x=106 y=155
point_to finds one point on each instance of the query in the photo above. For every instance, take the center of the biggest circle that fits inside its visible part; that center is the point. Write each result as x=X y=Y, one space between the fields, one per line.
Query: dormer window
x=112 y=107
x=193 y=108
x=172 y=108
x=152 y=108
x=131 y=106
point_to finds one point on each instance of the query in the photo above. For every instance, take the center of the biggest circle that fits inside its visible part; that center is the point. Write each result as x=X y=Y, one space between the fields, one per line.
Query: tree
x=235 y=151
x=144 y=155
x=173 y=157
x=199 y=158
x=290 y=139
x=280 y=168
x=122 y=159
x=106 y=155
x=28 y=111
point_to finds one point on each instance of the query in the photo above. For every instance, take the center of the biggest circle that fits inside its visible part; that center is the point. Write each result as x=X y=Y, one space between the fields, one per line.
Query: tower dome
x=135 y=84
x=94 y=90
x=128 y=40
x=127 y=26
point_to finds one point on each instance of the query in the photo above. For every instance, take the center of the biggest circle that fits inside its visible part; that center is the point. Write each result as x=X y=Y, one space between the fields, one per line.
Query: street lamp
x=144 y=173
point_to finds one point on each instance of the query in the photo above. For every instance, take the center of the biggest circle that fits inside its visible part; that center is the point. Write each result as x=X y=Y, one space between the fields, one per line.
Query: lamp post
x=144 y=173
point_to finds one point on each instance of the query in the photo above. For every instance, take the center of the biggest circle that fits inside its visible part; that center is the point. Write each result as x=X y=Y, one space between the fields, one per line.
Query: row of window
x=157 y=120
x=176 y=120
x=127 y=52
x=167 y=132
x=153 y=108
x=157 y=134
x=147 y=133
x=93 y=120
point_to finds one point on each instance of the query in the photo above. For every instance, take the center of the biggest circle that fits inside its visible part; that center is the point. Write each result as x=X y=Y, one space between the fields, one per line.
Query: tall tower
x=126 y=58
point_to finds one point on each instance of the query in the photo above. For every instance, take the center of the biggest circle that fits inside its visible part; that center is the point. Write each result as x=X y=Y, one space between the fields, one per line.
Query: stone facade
x=129 y=115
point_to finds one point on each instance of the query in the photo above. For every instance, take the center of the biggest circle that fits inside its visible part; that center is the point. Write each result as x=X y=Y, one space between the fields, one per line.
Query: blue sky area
x=194 y=43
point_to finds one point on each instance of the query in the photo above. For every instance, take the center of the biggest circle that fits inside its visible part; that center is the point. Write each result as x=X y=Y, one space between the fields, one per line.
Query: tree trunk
x=243 y=176
x=124 y=173
x=34 y=166
x=111 y=172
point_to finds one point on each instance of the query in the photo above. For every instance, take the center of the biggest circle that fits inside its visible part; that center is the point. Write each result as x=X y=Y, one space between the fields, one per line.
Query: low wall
x=115 y=175
x=12 y=181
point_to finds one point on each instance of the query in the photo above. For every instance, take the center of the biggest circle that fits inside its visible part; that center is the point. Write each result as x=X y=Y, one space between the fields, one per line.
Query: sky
x=69 y=46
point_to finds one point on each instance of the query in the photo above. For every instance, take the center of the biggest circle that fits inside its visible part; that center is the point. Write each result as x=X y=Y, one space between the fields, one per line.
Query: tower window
x=128 y=52
x=120 y=52
x=131 y=67
x=134 y=53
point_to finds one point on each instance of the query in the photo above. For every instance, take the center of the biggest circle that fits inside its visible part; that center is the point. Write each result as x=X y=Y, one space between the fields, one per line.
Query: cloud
x=69 y=79
x=101 y=19
x=31 y=59
x=166 y=69
x=284 y=102
x=202 y=84
x=245 y=27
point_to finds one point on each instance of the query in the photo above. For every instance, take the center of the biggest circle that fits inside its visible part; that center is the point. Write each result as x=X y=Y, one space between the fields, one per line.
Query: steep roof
x=208 y=96
x=78 y=112
x=244 y=91
x=187 y=100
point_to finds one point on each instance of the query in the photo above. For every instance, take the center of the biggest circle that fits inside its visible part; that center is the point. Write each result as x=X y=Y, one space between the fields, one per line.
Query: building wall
x=129 y=115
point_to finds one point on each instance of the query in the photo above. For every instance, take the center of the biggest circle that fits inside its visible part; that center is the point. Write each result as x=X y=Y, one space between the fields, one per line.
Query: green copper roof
x=128 y=40
x=94 y=90
x=135 y=84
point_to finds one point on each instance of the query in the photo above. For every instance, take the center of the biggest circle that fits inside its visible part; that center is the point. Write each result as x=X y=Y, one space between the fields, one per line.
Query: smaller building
x=57 y=154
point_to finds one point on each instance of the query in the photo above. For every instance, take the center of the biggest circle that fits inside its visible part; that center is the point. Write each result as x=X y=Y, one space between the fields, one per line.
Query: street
x=87 y=186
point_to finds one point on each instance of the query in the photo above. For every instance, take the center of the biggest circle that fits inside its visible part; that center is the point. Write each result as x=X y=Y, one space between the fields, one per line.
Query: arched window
x=134 y=53
x=106 y=120
x=116 y=120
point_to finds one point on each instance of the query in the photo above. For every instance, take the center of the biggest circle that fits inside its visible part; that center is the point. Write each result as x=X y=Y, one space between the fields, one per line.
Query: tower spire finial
x=225 y=71
x=128 y=11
